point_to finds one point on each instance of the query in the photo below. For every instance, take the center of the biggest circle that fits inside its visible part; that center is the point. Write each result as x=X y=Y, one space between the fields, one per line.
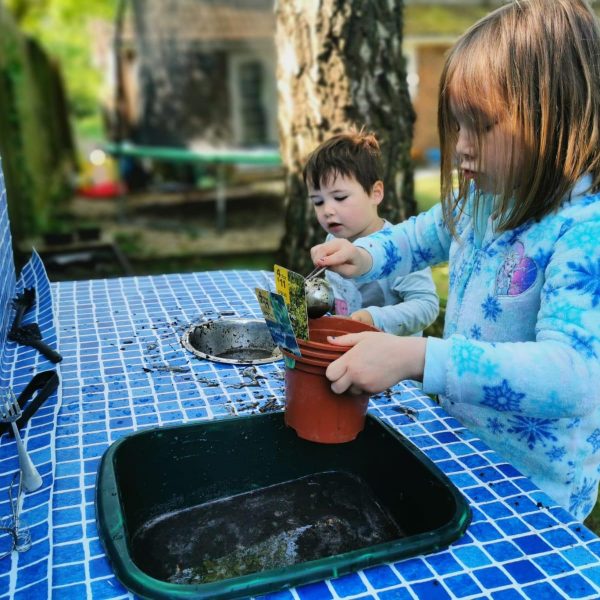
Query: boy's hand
x=362 y=316
x=342 y=256
x=375 y=362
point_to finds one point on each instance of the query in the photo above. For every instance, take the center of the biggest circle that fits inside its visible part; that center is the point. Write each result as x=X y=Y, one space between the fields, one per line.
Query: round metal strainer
x=237 y=341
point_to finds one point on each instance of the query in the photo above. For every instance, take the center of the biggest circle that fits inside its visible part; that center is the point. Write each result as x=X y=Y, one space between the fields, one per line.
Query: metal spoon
x=319 y=297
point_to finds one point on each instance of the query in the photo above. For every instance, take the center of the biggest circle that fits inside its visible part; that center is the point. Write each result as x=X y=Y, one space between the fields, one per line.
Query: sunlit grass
x=427 y=193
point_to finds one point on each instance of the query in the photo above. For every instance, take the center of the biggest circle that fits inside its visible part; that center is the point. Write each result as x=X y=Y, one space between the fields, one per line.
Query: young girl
x=343 y=177
x=519 y=365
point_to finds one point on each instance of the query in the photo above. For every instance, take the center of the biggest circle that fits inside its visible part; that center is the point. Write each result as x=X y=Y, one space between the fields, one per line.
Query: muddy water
x=245 y=353
x=281 y=525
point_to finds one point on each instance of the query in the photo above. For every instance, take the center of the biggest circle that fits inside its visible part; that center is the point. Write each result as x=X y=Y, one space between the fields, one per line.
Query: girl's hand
x=375 y=362
x=362 y=316
x=342 y=256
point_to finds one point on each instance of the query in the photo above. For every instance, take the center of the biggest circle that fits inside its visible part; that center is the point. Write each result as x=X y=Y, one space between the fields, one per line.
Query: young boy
x=343 y=178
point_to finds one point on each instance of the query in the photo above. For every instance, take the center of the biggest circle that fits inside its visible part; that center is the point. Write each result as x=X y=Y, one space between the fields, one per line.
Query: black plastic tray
x=241 y=506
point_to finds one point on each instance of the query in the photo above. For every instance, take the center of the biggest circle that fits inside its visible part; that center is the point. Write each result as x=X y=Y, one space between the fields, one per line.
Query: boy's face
x=344 y=209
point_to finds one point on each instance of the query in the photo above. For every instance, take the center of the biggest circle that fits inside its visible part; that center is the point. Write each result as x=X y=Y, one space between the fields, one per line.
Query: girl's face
x=488 y=161
x=344 y=209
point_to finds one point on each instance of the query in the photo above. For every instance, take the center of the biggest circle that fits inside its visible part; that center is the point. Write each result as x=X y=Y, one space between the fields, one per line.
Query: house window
x=252 y=110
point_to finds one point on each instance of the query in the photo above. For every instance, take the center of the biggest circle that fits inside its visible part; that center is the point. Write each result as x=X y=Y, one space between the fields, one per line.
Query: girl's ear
x=377 y=192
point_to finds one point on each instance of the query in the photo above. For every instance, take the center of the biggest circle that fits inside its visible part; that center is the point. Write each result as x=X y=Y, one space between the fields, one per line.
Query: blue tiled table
x=124 y=370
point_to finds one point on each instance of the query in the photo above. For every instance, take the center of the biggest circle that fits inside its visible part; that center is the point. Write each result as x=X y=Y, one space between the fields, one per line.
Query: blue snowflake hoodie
x=519 y=363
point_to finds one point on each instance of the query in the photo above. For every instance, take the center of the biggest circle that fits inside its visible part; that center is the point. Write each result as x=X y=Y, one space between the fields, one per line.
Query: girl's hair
x=352 y=154
x=533 y=65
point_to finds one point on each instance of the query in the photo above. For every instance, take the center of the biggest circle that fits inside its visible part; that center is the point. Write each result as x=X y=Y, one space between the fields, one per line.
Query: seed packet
x=291 y=287
x=278 y=321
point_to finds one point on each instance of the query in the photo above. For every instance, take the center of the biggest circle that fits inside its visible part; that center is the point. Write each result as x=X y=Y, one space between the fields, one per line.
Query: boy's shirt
x=535 y=400
x=401 y=305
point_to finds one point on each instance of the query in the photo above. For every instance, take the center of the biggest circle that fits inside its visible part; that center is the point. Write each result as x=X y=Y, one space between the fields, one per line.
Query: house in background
x=198 y=73
x=202 y=73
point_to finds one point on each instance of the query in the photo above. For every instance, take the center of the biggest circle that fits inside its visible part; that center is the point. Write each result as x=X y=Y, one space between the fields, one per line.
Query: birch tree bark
x=340 y=64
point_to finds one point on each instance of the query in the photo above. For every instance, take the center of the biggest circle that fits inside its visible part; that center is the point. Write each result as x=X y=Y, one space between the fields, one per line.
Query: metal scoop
x=319 y=297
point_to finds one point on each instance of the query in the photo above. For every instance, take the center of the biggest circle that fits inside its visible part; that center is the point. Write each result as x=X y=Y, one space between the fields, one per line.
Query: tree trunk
x=340 y=64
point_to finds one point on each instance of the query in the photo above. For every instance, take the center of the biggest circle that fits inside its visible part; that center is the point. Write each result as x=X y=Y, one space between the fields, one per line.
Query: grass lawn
x=427 y=193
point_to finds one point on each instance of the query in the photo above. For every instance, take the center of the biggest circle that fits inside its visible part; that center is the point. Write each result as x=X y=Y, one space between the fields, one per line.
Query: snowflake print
x=565 y=227
x=549 y=291
x=583 y=344
x=568 y=313
x=502 y=397
x=392 y=258
x=424 y=255
x=476 y=332
x=594 y=440
x=542 y=258
x=533 y=430
x=489 y=369
x=556 y=454
x=538 y=232
x=588 y=279
x=466 y=357
x=491 y=308
x=587 y=236
x=495 y=425
x=581 y=499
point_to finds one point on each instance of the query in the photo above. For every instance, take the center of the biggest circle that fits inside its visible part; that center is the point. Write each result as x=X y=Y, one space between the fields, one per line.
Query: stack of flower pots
x=312 y=409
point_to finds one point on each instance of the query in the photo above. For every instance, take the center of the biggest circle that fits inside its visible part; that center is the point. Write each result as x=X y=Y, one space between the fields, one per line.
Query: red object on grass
x=106 y=189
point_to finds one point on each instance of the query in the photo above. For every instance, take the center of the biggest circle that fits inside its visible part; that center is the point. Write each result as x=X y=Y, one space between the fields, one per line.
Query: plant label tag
x=290 y=286
x=278 y=321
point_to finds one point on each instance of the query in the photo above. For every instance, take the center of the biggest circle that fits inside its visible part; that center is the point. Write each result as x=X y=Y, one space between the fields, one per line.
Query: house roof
x=207 y=20
x=238 y=20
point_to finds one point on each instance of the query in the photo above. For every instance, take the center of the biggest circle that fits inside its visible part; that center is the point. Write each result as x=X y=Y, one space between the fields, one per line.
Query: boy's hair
x=353 y=154
x=535 y=65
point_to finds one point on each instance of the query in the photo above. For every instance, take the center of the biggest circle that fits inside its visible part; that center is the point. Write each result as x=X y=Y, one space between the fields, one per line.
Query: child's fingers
x=350 y=339
x=337 y=373
x=332 y=253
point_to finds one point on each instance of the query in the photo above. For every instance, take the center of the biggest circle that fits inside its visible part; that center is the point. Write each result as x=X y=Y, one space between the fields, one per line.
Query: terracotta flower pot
x=312 y=409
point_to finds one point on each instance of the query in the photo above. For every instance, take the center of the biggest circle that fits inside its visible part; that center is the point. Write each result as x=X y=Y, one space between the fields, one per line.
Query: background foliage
x=62 y=27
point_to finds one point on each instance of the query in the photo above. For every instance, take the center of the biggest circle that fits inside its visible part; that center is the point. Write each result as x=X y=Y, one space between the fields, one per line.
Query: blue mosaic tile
x=444 y=563
x=512 y=526
x=532 y=544
x=496 y=510
x=575 y=586
x=36 y=591
x=430 y=590
x=491 y=577
x=395 y=594
x=543 y=591
x=593 y=574
x=472 y=557
x=579 y=556
x=553 y=565
x=462 y=585
x=507 y=595
x=485 y=532
x=413 y=569
x=558 y=538
x=314 y=591
x=503 y=551
x=72 y=573
x=349 y=585
x=381 y=576
x=524 y=571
